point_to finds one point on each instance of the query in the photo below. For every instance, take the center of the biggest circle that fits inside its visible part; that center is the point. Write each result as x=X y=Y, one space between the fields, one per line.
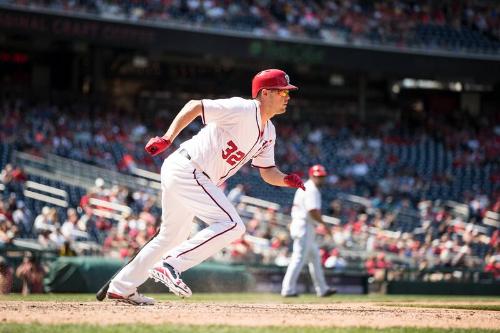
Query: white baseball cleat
x=169 y=276
x=134 y=299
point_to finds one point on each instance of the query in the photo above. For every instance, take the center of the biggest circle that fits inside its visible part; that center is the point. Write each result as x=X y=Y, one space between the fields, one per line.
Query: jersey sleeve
x=223 y=112
x=265 y=157
x=312 y=199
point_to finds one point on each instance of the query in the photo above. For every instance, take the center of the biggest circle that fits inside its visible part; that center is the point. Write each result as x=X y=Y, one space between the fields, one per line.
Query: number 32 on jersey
x=231 y=154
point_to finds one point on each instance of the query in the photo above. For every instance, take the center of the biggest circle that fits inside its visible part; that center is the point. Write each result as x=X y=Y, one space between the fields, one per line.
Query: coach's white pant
x=305 y=250
x=186 y=193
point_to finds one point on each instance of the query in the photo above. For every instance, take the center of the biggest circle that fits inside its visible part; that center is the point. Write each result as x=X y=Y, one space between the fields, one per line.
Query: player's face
x=280 y=100
x=319 y=181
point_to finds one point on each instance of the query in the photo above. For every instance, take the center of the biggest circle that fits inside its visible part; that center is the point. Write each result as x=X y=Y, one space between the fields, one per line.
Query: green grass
x=265 y=298
x=487 y=307
x=22 y=328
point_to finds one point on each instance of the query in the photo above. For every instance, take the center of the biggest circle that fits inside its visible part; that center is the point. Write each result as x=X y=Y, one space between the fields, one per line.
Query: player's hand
x=156 y=145
x=293 y=180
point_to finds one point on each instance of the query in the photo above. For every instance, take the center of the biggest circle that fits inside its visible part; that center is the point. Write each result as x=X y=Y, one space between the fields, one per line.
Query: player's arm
x=188 y=113
x=316 y=215
x=275 y=177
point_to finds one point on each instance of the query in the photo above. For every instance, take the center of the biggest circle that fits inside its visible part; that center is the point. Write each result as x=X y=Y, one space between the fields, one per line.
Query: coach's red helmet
x=271 y=79
x=317 y=171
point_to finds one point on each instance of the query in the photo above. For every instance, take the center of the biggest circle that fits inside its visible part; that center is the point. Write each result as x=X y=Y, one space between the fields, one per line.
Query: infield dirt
x=206 y=313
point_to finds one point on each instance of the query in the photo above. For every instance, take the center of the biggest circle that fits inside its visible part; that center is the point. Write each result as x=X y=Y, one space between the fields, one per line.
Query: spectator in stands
x=241 y=250
x=43 y=220
x=70 y=228
x=18 y=175
x=87 y=223
x=472 y=25
x=66 y=249
x=6 y=277
x=8 y=231
x=53 y=217
x=234 y=196
x=31 y=272
x=335 y=261
x=370 y=265
x=99 y=191
x=377 y=266
x=23 y=218
x=57 y=237
x=45 y=240
x=4 y=211
x=6 y=174
x=493 y=266
x=114 y=243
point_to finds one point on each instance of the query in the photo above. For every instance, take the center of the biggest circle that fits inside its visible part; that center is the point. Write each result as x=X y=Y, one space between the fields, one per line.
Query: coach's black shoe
x=134 y=299
x=169 y=276
x=291 y=295
x=329 y=292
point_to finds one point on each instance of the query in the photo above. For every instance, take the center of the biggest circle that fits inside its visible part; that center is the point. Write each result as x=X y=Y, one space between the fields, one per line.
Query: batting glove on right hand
x=293 y=180
x=156 y=145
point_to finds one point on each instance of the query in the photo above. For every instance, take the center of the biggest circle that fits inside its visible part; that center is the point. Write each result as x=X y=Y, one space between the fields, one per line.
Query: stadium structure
x=400 y=103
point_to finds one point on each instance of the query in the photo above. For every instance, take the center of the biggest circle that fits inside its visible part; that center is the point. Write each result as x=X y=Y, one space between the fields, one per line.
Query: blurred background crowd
x=402 y=217
x=463 y=26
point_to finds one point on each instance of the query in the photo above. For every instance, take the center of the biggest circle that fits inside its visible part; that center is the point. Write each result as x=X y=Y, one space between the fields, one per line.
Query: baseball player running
x=306 y=212
x=236 y=130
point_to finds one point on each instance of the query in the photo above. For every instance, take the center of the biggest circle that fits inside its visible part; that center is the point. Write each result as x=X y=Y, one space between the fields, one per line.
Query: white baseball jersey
x=305 y=201
x=233 y=135
x=305 y=249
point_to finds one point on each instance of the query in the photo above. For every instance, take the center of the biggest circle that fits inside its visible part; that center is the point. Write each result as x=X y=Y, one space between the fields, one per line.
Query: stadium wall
x=443 y=288
x=245 y=46
x=88 y=274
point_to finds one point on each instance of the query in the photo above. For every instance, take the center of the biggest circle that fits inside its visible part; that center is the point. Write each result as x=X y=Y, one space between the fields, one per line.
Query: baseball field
x=256 y=313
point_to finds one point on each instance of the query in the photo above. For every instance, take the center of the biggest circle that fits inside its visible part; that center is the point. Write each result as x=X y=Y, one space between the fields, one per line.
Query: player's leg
x=224 y=224
x=316 y=270
x=175 y=227
x=297 y=261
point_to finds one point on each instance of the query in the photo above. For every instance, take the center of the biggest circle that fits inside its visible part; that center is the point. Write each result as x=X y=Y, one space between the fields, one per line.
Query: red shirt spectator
x=493 y=267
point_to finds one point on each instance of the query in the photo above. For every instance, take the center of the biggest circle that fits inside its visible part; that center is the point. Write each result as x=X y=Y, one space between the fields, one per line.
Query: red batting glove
x=293 y=180
x=156 y=145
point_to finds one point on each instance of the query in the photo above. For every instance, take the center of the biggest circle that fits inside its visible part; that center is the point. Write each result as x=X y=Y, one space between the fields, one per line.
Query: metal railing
x=81 y=174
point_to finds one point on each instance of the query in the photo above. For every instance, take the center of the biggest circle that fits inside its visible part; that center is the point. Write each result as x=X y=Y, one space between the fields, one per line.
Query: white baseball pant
x=186 y=192
x=305 y=250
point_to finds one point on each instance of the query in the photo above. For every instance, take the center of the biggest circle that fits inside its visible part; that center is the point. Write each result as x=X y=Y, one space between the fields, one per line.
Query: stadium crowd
x=472 y=26
x=401 y=228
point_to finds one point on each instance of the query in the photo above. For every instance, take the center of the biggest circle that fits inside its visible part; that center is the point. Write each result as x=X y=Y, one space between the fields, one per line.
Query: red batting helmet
x=271 y=79
x=317 y=171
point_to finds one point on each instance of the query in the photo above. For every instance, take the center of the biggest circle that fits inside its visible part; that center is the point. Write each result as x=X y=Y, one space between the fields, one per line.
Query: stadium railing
x=78 y=173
